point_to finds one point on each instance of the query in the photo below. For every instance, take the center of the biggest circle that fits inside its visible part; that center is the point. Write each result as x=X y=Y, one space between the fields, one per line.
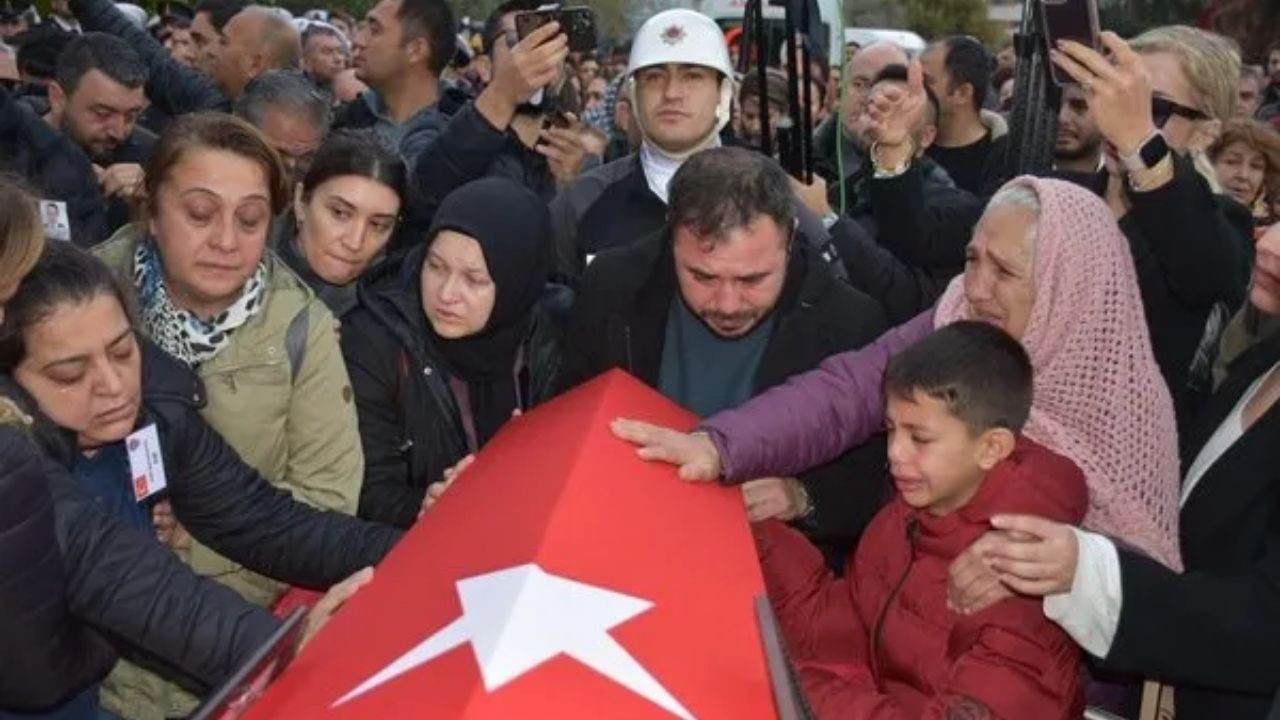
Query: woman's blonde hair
x=1210 y=62
x=21 y=234
x=11 y=414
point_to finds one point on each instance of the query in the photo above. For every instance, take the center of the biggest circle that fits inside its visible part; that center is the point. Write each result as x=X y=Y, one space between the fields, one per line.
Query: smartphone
x=579 y=23
x=1069 y=20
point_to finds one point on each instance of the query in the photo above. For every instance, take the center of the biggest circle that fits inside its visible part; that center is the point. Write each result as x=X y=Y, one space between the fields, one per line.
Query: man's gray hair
x=286 y=91
x=315 y=29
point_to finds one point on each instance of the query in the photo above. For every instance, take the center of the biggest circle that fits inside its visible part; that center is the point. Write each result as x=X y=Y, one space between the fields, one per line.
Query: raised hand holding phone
x=1118 y=89
x=1073 y=20
x=520 y=71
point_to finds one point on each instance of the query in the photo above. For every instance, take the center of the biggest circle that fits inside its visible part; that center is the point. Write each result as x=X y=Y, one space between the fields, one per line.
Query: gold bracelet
x=882 y=172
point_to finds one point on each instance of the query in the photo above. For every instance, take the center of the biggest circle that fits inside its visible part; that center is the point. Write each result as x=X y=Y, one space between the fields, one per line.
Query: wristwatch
x=1149 y=154
x=805 y=510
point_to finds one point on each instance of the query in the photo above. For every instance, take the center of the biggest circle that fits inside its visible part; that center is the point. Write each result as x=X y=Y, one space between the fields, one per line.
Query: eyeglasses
x=1162 y=108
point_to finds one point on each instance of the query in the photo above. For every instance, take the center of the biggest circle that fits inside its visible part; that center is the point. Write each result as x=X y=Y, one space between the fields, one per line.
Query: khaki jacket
x=295 y=425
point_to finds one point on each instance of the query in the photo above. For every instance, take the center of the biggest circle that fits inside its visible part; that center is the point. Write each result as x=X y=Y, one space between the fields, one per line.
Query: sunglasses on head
x=1162 y=108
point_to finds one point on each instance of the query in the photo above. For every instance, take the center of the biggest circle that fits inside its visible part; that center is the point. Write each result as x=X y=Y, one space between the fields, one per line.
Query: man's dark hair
x=39 y=48
x=107 y=54
x=897 y=72
x=977 y=370
x=723 y=189
x=286 y=90
x=969 y=62
x=493 y=23
x=220 y=11
x=434 y=21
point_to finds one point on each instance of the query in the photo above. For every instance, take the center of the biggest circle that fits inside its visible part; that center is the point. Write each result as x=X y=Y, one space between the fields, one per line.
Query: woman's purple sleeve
x=812 y=418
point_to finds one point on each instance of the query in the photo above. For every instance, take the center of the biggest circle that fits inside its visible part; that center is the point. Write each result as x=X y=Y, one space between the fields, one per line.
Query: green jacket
x=295 y=425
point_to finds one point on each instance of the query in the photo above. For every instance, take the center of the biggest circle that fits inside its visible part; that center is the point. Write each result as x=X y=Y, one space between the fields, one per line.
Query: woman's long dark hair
x=356 y=152
x=64 y=274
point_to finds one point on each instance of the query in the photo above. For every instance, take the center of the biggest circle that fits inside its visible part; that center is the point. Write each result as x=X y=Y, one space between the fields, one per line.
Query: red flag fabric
x=561 y=577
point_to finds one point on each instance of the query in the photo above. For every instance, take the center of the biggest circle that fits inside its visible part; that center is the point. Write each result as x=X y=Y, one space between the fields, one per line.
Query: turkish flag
x=557 y=535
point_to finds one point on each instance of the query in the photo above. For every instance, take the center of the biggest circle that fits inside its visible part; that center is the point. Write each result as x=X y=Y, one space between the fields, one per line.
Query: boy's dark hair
x=433 y=20
x=969 y=62
x=107 y=54
x=976 y=369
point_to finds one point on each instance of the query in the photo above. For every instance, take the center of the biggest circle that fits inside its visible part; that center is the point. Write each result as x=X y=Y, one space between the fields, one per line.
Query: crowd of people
x=1007 y=444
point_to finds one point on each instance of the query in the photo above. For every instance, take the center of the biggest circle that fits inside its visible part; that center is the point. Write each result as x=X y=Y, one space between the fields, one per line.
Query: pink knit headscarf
x=1099 y=397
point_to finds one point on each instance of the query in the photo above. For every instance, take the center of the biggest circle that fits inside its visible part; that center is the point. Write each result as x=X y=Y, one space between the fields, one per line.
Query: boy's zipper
x=913 y=533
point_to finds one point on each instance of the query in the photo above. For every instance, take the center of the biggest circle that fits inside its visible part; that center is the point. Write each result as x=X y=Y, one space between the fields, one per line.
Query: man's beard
x=96 y=156
x=746 y=322
x=1080 y=152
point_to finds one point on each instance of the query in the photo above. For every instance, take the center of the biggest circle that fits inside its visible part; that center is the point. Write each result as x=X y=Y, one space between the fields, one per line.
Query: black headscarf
x=513 y=228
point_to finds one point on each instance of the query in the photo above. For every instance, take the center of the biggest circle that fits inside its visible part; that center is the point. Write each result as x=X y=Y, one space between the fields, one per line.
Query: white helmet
x=683 y=37
x=680 y=36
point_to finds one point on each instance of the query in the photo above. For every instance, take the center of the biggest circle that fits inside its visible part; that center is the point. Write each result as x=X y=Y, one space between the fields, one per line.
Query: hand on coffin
x=332 y=601
x=693 y=453
x=437 y=490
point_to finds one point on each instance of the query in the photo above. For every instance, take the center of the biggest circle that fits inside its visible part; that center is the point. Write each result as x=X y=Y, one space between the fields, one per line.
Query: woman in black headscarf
x=445 y=348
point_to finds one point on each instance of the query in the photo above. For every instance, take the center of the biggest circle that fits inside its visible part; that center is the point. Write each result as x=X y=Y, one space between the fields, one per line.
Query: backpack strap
x=295 y=340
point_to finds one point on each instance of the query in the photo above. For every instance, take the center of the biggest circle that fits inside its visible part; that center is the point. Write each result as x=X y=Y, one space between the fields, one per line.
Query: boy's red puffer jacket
x=881 y=644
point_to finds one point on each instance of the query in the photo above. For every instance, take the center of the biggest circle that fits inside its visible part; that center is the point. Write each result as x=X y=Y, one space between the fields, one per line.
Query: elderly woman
x=1049 y=266
x=1216 y=642
x=265 y=347
x=1247 y=160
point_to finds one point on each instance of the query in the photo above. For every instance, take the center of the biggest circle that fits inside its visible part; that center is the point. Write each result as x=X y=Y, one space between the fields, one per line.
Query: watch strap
x=1149 y=153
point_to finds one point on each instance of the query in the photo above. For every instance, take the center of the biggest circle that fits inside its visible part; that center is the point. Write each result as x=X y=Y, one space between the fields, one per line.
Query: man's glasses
x=1162 y=108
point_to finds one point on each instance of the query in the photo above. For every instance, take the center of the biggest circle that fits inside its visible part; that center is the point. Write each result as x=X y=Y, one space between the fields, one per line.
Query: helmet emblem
x=673 y=35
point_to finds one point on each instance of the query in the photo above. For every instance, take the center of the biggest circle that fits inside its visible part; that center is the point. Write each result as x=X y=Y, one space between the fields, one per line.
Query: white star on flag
x=519 y=618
